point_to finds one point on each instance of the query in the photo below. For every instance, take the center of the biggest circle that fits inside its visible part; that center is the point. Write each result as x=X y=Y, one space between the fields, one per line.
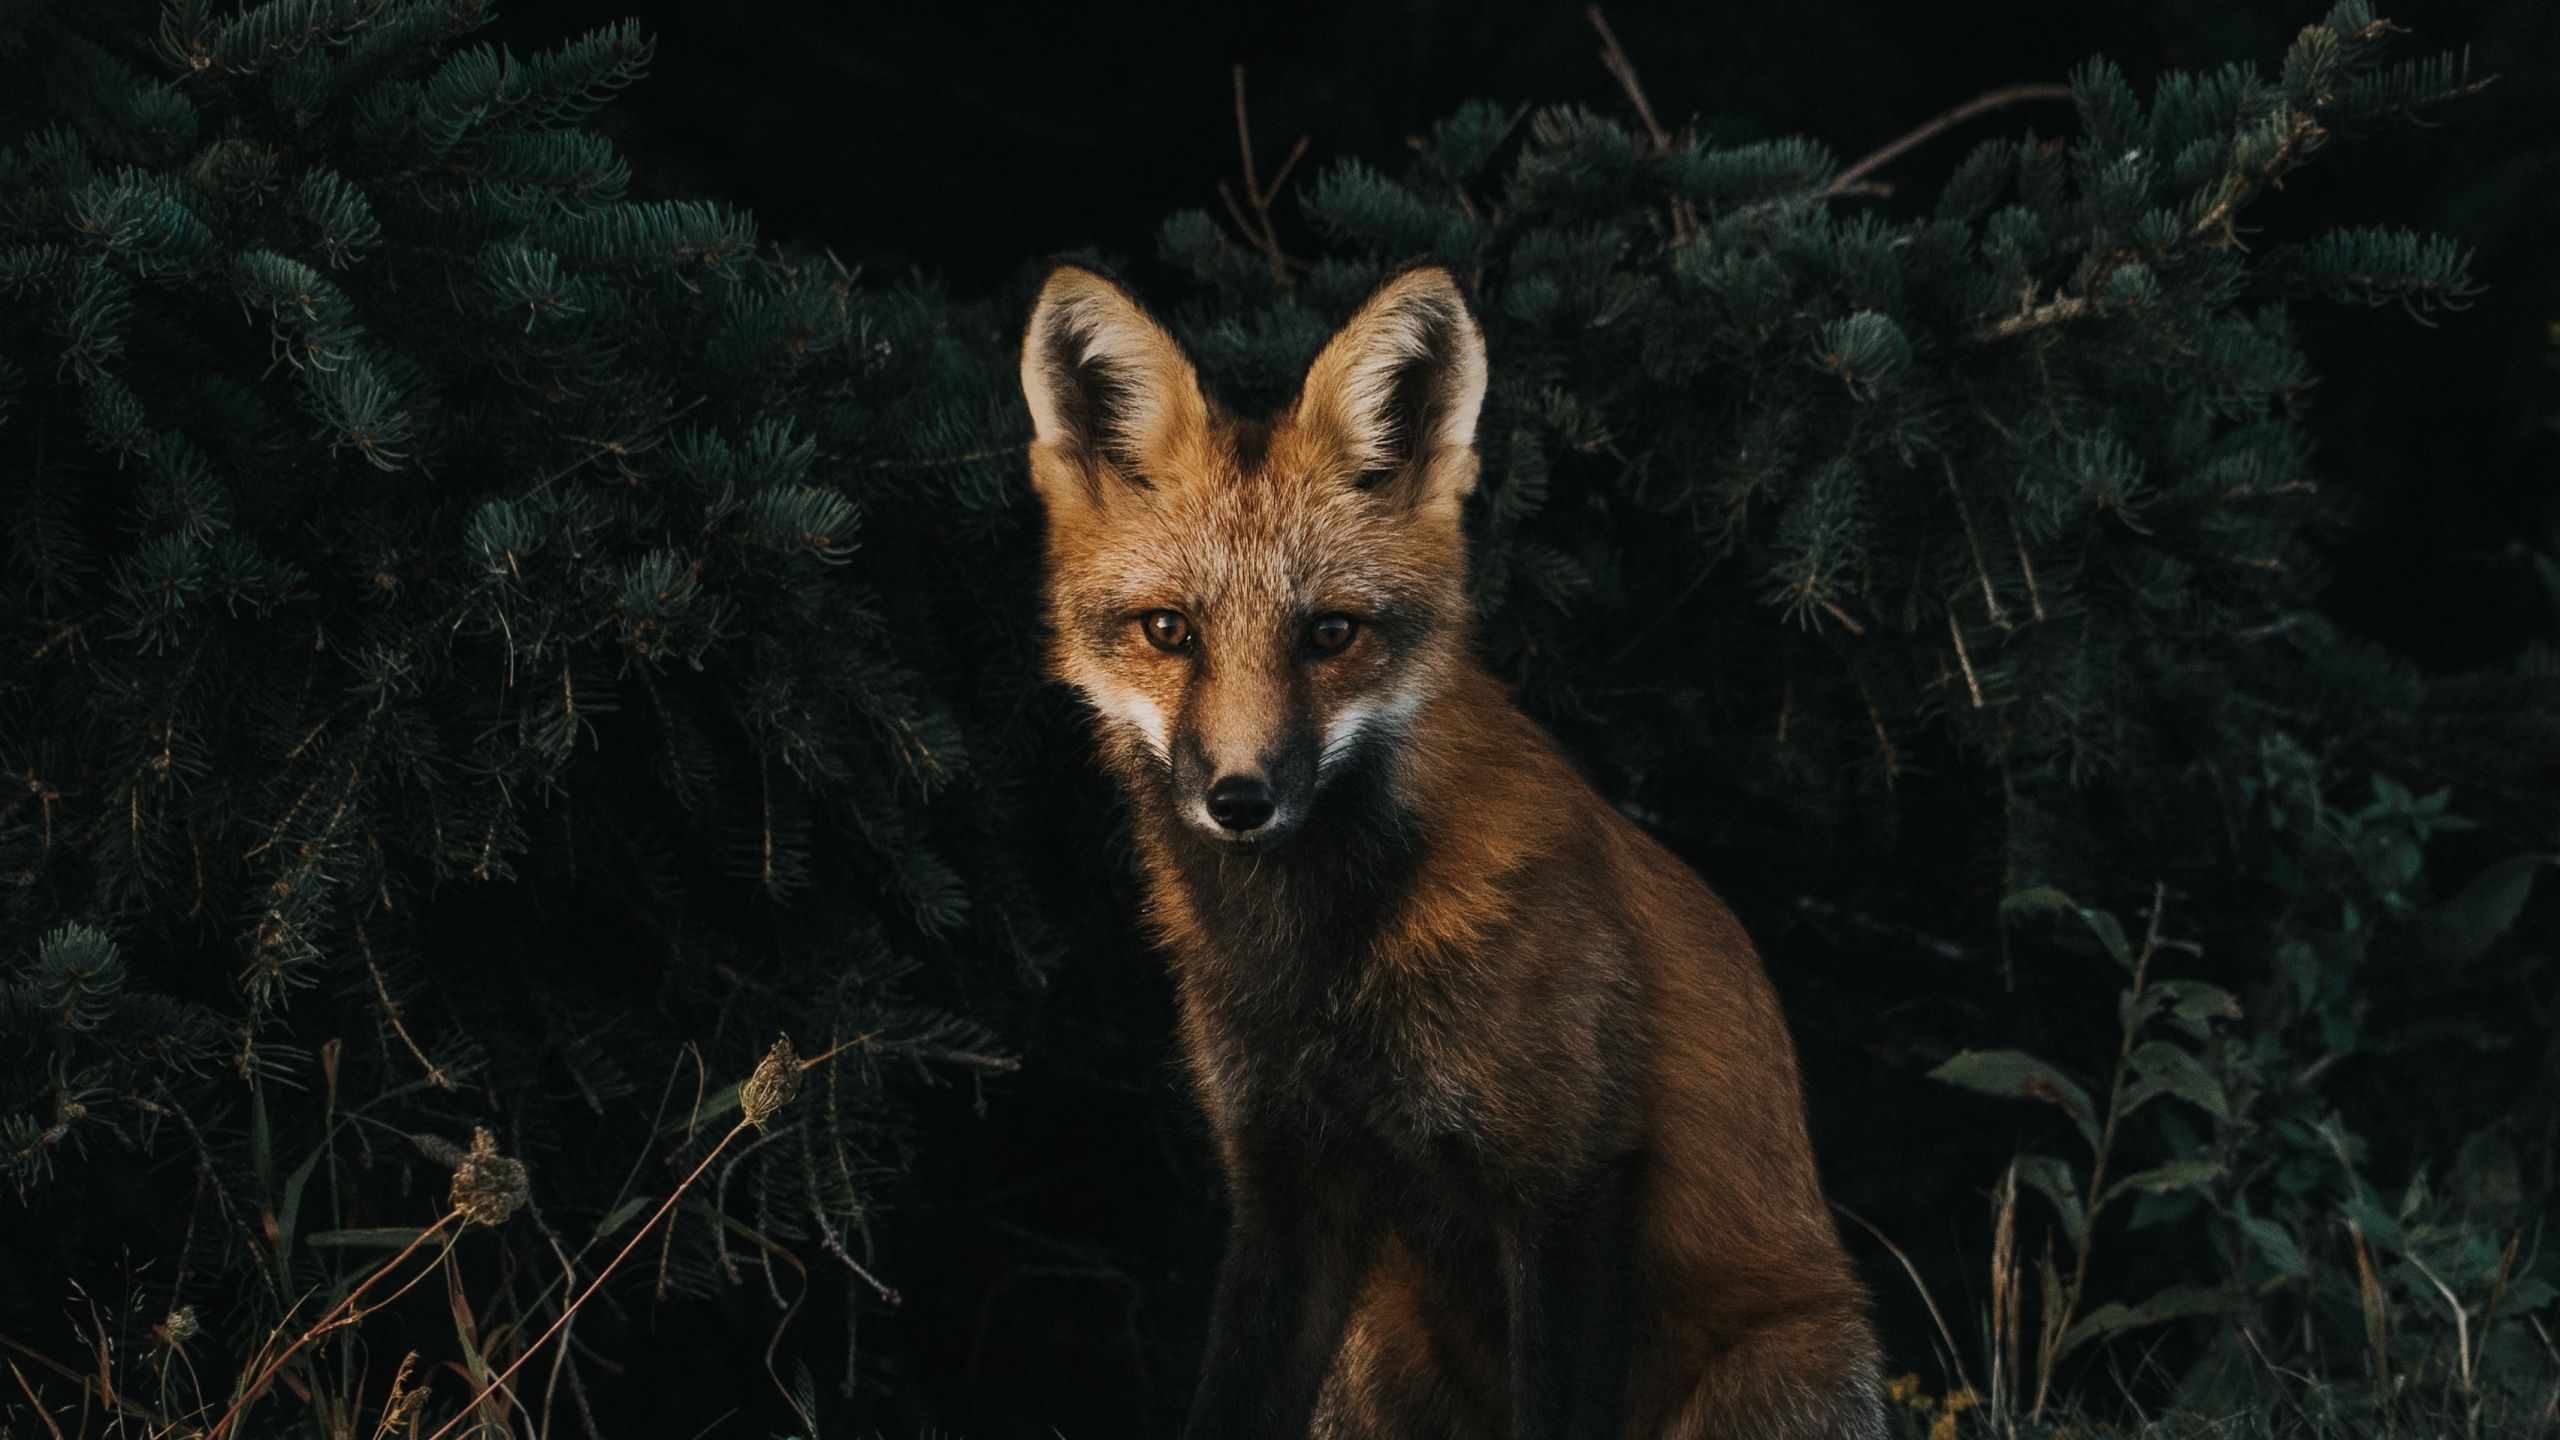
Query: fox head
x=1254 y=608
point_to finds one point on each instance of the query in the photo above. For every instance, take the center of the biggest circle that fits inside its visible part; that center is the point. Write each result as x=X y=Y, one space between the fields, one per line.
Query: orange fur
x=1541 y=987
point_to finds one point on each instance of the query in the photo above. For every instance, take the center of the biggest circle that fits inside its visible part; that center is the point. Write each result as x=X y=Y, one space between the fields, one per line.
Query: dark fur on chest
x=1283 y=968
x=1297 y=917
x=1314 y=900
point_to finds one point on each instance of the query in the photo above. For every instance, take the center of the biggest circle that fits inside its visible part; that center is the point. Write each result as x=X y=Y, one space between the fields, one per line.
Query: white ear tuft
x=1107 y=385
x=1401 y=384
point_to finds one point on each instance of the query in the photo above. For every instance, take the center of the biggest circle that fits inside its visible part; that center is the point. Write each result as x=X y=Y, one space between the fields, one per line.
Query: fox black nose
x=1241 y=803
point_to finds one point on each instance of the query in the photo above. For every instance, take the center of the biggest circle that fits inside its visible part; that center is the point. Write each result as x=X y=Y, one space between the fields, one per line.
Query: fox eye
x=1167 y=630
x=1330 y=633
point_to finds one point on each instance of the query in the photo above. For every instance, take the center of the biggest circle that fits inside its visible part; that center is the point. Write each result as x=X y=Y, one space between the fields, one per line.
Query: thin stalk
x=2075 y=1290
x=583 y=1296
x=330 y=1320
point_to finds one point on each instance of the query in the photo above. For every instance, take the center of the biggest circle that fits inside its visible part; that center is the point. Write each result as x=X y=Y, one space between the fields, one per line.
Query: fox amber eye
x=1330 y=633
x=1167 y=630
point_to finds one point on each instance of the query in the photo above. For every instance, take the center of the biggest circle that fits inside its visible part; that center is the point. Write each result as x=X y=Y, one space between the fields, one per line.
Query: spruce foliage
x=475 y=649
x=2016 y=483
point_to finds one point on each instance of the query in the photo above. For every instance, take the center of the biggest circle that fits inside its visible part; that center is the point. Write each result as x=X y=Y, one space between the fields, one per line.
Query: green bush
x=477 y=655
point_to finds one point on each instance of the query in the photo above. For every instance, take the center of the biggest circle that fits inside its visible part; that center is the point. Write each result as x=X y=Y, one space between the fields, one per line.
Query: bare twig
x=1973 y=542
x=1854 y=179
x=391 y=1013
x=1965 y=659
x=1613 y=57
x=1253 y=215
x=1884 y=741
x=2026 y=567
x=941 y=462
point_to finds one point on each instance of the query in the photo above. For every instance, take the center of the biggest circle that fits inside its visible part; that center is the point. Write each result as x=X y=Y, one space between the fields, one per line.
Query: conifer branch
x=2057 y=311
x=2305 y=134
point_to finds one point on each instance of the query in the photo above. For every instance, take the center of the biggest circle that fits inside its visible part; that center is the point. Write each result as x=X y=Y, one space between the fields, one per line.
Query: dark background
x=963 y=142
x=1055 y=1273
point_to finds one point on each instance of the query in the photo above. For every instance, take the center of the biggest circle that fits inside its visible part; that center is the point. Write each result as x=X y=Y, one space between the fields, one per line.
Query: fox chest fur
x=1317 y=995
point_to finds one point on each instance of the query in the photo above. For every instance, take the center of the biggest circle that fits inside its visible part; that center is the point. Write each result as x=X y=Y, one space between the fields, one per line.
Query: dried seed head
x=180 y=1327
x=776 y=1080
x=404 y=1402
x=487 y=1186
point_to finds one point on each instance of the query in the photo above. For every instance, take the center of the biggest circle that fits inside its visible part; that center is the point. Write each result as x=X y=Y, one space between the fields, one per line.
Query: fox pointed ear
x=1398 y=389
x=1106 y=383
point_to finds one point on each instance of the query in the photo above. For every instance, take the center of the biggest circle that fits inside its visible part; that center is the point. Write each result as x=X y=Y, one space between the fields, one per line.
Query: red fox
x=1509 y=1119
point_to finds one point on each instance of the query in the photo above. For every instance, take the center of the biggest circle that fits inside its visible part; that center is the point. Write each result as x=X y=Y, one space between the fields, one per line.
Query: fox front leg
x=1295 y=1253
x=1568 y=1282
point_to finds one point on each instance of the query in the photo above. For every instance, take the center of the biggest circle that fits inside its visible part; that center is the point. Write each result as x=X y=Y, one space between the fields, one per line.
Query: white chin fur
x=1357 y=720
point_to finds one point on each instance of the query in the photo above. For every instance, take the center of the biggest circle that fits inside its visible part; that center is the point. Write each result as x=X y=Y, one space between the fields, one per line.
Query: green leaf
x=2375 y=1223
x=262 y=1161
x=718 y=1105
x=2167 y=1069
x=2016 y=1075
x=386 y=1237
x=2052 y=1179
x=2192 y=1005
x=623 y=1214
x=2151 y=1210
x=2162 y=1179
x=2178 y=1302
x=2461 y=929
x=2036 y=902
x=289 y=1209
x=2527 y=1294
x=2272 y=1241
x=2110 y=935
